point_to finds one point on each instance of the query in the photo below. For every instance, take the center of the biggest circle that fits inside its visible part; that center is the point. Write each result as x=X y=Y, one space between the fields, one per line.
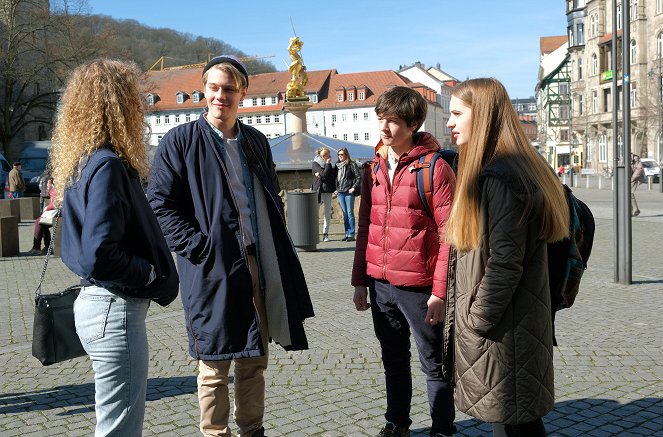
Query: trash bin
x=303 y=219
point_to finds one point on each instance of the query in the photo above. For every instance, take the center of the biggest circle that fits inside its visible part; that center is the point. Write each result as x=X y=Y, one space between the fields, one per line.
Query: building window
x=564 y=88
x=263 y=101
x=634 y=95
x=564 y=135
x=355 y=117
x=581 y=34
x=249 y=120
x=589 y=151
x=593 y=25
x=356 y=137
x=258 y=119
x=362 y=95
x=187 y=118
x=659 y=45
x=151 y=100
x=595 y=102
x=177 y=118
x=633 y=11
x=619 y=16
x=659 y=6
x=634 y=52
x=157 y=120
x=277 y=118
x=254 y=101
x=334 y=136
x=367 y=136
x=180 y=98
x=579 y=68
x=159 y=137
x=344 y=117
x=345 y=137
x=595 y=64
x=333 y=118
x=365 y=116
x=195 y=97
x=581 y=105
x=241 y=103
x=339 y=97
x=268 y=119
x=273 y=100
x=564 y=112
x=603 y=148
x=351 y=96
x=313 y=98
x=166 y=119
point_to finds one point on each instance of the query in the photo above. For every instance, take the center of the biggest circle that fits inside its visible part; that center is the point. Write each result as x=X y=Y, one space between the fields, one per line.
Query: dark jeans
x=397 y=312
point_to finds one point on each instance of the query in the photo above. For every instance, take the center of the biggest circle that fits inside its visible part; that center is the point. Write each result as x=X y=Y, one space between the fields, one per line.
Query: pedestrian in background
x=324 y=182
x=637 y=178
x=348 y=181
x=508 y=205
x=41 y=231
x=16 y=181
x=110 y=236
x=216 y=194
x=402 y=258
x=45 y=183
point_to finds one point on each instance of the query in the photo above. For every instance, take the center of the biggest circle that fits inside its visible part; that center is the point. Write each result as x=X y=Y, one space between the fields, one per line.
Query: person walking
x=324 y=182
x=41 y=231
x=110 y=237
x=508 y=205
x=402 y=260
x=215 y=192
x=637 y=178
x=16 y=181
x=348 y=181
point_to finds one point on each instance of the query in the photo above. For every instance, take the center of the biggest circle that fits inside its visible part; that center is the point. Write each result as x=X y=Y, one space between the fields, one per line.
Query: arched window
x=595 y=64
x=634 y=52
x=659 y=45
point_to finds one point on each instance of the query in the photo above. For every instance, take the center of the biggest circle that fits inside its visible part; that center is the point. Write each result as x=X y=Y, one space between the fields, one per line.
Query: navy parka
x=194 y=203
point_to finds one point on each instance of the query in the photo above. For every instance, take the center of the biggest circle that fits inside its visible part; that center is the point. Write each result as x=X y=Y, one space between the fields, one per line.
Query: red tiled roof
x=376 y=82
x=549 y=44
x=608 y=37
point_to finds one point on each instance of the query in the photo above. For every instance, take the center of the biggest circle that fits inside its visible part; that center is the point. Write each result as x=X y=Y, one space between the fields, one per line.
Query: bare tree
x=38 y=47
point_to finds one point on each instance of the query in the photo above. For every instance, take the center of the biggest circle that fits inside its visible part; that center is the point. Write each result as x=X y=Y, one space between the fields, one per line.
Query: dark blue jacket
x=193 y=201
x=110 y=235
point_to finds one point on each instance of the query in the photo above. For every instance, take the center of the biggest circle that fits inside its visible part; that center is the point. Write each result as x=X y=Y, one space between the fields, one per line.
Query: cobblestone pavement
x=609 y=365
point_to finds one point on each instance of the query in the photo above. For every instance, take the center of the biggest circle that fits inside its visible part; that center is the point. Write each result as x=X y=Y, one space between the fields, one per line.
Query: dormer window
x=340 y=94
x=152 y=99
x=196 y=96
x=362 y=95
x=181 y=97
x=351 y=96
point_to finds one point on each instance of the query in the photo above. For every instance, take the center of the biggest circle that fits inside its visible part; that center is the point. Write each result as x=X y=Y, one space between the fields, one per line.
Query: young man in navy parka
x=215 y=193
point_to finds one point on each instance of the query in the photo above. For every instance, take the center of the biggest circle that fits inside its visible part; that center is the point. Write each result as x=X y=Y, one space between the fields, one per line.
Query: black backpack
x=567 y=259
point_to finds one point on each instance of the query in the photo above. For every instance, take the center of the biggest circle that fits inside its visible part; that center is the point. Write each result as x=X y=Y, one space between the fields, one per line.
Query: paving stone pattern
x=609 y=365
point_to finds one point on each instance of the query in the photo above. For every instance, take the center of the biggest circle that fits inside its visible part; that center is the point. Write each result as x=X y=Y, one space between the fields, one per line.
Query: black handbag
x=54 y=337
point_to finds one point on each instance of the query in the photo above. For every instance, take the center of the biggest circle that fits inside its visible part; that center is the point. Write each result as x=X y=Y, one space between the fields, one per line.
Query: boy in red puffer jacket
x=402 y=259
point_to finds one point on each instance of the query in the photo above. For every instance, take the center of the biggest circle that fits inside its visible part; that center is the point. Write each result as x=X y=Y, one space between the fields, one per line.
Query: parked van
x=651 y=168
x=33 y=159
x=5 y=168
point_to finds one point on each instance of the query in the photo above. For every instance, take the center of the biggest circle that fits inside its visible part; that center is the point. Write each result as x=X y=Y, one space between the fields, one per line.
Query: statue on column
x=299 y=79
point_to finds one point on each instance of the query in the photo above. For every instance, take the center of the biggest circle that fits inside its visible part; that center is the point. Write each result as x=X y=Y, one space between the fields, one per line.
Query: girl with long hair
x=110 y=236
x=508 y=205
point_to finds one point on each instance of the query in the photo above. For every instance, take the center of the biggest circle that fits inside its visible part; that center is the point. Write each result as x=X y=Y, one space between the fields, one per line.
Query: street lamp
x=659 y=77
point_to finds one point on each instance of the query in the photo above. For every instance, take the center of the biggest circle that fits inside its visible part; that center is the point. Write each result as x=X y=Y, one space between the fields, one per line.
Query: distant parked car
x=651 y=168
x=5 y=168
x=33 y=159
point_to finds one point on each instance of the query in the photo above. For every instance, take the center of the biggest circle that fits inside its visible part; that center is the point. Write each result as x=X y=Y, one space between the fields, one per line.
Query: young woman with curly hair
x=508 y=205
x=110 y=236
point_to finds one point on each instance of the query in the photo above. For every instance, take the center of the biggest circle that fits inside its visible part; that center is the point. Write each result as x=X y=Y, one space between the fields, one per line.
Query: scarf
x=320 y=161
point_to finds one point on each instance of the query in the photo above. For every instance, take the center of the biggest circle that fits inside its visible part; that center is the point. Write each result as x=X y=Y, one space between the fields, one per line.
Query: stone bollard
x=10 y=207
x=8 y=236
x=29 y=208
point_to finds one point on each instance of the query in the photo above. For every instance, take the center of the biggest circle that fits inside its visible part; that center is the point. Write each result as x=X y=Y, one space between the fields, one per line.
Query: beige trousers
x=249 y=382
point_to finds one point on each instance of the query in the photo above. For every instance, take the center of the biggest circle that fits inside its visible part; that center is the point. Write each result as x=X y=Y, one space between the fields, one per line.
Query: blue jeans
x=112 y=330
x=398 y=312
x=347 y=201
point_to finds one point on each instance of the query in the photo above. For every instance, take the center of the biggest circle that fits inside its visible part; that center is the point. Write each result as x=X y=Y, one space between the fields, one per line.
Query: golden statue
x=295 y=88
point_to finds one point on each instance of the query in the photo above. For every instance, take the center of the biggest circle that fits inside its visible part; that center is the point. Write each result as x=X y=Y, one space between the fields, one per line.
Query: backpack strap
x=424 y=168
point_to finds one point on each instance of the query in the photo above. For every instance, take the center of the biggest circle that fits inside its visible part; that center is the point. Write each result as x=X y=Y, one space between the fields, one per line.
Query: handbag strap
x=49 y=251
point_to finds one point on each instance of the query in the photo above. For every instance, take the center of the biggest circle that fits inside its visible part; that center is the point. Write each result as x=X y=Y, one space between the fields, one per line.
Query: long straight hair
x=497 y=133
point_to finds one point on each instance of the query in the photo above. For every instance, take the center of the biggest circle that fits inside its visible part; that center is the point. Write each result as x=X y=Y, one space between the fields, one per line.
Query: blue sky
x=470 y=38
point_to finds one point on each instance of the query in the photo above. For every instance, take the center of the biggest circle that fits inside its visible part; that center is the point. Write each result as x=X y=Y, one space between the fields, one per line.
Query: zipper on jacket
x=385 y=228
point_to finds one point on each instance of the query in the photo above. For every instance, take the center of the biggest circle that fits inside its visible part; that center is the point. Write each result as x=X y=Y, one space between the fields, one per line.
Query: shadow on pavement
x=82 y=395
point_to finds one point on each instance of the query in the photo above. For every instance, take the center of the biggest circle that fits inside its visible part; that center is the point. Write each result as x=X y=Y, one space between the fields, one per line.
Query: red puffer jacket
x=397 y=240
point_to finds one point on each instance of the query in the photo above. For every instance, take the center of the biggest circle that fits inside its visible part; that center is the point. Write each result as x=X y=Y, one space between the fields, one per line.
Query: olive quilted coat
x=503 y=329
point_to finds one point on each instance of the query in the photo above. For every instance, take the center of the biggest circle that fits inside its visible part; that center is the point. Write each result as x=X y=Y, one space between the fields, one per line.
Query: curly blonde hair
x=102 y=105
